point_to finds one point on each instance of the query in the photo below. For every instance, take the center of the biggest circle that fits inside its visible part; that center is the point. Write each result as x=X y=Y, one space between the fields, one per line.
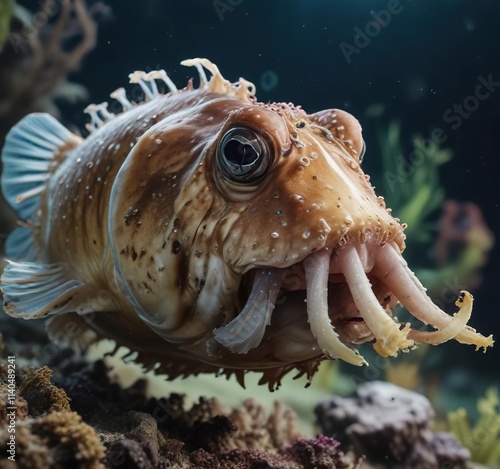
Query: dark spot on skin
x=164 y=244
x=198 y=253
x=176 y=223
x=176 y=247
x=202 y=283
x=315 y=178
x=130 y=214
x=133 y=254
x=94 y=241
x=143 y=253
x=300 y=125
x=183 y=269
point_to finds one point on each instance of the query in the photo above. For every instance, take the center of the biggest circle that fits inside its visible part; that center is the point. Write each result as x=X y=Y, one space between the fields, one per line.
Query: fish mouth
x=346 y=294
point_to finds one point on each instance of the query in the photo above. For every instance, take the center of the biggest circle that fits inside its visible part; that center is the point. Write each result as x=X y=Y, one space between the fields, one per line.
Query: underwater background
x=423 y=79
x=414 y=68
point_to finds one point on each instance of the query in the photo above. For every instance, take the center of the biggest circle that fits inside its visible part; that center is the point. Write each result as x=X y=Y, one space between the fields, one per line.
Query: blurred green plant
x=6 y=12
x=411 y=186
x=412 y=189
x=482 y=440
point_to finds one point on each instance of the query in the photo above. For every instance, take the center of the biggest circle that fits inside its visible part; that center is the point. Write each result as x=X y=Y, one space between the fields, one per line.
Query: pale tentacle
x=393 y=270
x=456 y=325
x=389 y=337
x=246 y=330
x=317 y=269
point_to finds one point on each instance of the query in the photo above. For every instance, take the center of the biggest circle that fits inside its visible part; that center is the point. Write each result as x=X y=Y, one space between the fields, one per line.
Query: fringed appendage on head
x=243 y=89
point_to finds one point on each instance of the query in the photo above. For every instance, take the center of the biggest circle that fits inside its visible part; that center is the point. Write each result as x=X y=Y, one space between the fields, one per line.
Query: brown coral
x=42 y=396
x=57 y=440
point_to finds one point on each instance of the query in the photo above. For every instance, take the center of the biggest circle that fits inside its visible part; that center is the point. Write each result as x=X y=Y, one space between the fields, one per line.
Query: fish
x=209 y=232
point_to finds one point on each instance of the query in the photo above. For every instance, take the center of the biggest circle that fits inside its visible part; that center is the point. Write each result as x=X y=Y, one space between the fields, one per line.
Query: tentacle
x=316 y=268
x=455 y=326
x=389 y=337
x=246 y=330
x=393 y=270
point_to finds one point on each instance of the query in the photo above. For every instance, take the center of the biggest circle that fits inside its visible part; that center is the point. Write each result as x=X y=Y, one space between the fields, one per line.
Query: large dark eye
x=243 y=155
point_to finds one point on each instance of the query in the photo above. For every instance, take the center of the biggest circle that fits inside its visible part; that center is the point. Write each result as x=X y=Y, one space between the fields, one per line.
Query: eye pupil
x=243 y=155
x=240 y=154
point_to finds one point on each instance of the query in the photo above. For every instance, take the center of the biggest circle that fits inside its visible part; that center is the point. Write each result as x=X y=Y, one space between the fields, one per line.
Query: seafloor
x=70 y=413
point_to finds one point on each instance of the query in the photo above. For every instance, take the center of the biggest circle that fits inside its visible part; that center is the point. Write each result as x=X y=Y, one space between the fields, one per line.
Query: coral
x=37 y=56
x=412 y=189
x=483 y=440
x=390 y=426
x=87 y=422
x=55 y=440
x=463 y=244
x=320 y=453
x=41 y=395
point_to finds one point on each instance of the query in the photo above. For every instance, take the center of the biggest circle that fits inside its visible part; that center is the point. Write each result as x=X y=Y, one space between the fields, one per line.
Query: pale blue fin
x=28 y=155
x=19 y=245
x=32 y=291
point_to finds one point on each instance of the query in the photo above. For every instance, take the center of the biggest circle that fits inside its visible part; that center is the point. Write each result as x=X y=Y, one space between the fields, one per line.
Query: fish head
x=294 y=187
x=298 y=182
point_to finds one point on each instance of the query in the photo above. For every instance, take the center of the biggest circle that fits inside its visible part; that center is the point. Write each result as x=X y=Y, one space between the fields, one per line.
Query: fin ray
x=19 y=245
x=36 y=290
x=28 y=155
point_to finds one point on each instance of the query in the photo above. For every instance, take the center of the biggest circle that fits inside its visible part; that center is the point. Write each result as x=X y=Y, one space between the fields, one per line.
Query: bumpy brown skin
x=183 y=236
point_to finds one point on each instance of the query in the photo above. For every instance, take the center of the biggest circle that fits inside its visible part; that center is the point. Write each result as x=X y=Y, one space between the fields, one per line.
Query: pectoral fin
x=33 y=148
x=34 y=291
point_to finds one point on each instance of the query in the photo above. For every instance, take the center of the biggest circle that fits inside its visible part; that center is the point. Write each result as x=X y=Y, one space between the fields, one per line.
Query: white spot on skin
x=304 y=161
x=275 y=235
x=306 y=234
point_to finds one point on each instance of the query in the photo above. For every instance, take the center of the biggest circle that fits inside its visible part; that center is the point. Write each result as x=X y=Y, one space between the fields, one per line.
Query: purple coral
x=322 y=452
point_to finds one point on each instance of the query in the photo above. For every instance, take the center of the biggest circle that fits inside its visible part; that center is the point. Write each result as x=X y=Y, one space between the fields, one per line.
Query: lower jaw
x=308 y=322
